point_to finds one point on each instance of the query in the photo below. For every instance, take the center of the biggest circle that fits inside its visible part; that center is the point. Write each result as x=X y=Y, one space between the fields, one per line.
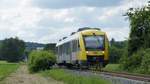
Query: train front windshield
x=94 y=43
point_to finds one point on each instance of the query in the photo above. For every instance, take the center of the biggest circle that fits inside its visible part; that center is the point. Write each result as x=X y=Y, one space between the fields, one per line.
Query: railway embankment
x=114 y=75
x=72 y=77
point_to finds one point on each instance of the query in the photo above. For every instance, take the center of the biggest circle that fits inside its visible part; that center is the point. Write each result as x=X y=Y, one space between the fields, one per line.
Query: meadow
x=112 y=67
x=7 y=68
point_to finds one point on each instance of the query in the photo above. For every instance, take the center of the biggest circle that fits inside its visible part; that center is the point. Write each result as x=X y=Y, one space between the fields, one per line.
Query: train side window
x=78 y=45
x=59 y=50
x=67 y=48
x=73 y=49
x=74 y=45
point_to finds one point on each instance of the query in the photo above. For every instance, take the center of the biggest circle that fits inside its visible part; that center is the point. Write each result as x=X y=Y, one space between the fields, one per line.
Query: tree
x=138 y=56
x=112 y=42
x=50 y=46
x=0 y=51
x=12 y=49
x=140 y=29
x=116 y=50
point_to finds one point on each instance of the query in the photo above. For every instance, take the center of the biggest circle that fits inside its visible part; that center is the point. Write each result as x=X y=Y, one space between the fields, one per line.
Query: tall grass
x=113 y=67
x=7 y=68
x=68 y=78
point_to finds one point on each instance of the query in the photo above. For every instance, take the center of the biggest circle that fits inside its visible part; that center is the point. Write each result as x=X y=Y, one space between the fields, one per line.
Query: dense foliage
x=138 y=62
x=40 y=60
x=12 y=49
x=116 y=50
x=140 y=29
x=137 y=57
x=50 y=46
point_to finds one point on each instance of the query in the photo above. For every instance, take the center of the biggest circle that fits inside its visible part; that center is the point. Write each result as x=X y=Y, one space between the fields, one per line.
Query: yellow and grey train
x=86 y=47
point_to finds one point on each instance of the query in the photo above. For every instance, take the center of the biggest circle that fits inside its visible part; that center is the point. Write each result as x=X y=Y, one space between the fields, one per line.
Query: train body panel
x=84 y=48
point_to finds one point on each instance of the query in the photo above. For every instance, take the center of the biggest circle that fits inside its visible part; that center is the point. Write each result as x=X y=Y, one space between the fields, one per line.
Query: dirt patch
x=22 y=76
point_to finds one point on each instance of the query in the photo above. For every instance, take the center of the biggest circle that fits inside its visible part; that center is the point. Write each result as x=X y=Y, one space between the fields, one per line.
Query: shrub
x=138 y=62
x=40 y=60
x=135 y=60
x=115 y=54
x=145 y=63
x=124 y=60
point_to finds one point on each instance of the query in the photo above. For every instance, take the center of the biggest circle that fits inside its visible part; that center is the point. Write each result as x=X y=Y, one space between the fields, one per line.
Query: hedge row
x=40 y=60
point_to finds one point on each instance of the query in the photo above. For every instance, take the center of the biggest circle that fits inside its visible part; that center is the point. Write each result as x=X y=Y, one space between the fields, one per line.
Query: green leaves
x=140 y=29
x=116 y=50
x=138 y=57
x=12 y=49
x=40 y=60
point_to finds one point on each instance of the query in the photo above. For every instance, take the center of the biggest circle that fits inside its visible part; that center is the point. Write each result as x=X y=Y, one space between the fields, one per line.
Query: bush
x=40 y=60
x=145 y=63
x=115 y=54
x=138 y=62
x=124 y=60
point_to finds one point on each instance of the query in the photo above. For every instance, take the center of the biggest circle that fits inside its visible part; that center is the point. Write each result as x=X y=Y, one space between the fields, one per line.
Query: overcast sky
x=46 y=21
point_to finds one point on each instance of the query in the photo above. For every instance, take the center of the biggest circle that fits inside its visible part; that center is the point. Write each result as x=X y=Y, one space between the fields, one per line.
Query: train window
x=67 y=48
x=74 y=47
x=60 y=50
x=78 y=45
x=94 y=42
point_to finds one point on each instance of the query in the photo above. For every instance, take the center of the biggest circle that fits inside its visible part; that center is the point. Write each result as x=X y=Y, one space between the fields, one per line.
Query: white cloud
x=121 y=9
x=49 y=25
x=118 y=34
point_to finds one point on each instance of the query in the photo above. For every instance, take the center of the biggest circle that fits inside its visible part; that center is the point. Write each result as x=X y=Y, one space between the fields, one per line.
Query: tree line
x=15 y=50
x=12 y=49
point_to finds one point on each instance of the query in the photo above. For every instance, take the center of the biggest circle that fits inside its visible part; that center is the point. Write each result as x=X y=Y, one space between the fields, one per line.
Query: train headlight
x=87 y=52
x=103 y=52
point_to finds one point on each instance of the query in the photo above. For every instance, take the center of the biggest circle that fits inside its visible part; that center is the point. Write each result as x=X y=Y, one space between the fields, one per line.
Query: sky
x=47 y=21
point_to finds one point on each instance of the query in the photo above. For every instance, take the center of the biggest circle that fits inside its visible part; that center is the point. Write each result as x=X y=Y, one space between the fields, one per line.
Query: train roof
x=69 y=38
x=87 y=28
x=75 y=35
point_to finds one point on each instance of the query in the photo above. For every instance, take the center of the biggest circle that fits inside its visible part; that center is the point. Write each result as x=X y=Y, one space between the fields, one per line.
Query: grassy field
x=68 y=78
x=7 y=68
x=112 y=67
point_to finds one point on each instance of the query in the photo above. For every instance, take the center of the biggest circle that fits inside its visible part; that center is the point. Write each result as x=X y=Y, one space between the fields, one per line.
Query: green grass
x=112 y=67
x=117 y=68
x=68 y=78
x=3 y=62
x=7 y=68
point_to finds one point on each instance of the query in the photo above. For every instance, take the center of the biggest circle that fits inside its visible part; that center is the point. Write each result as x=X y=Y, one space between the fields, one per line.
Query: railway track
x=130 y=76
x=145 y=78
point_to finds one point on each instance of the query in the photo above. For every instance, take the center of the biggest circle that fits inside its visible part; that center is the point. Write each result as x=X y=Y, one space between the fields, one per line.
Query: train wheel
x=99 y=66
x=69 y=66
